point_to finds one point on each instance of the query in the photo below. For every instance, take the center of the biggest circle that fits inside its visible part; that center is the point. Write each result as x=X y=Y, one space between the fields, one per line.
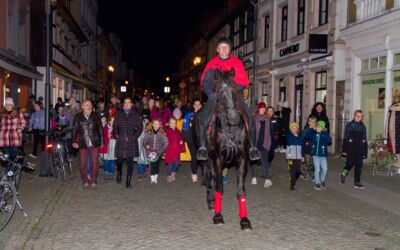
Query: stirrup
x=254 y=154
x=202 y=154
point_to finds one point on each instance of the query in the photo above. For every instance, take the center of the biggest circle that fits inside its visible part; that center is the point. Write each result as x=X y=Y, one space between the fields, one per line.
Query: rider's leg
x=204 y=119
x=254 y=153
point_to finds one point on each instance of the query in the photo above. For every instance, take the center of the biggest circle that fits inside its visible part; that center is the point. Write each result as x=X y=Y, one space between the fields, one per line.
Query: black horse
x=227 y=144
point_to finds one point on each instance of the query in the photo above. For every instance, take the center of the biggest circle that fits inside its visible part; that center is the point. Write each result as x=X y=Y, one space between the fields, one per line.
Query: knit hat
x=177 y=112
x=224 y=40
x=261 y=105
x=321 y=124
x=9 y=100
x=293 y=124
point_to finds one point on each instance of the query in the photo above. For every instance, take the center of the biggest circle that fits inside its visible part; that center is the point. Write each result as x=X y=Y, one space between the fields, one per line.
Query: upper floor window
x=266 y=30
x=284 y=24
x=323 y=12
x=301 y=16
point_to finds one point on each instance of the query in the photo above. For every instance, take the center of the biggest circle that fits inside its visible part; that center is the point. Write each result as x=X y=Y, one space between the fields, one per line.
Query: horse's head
x=227 y=92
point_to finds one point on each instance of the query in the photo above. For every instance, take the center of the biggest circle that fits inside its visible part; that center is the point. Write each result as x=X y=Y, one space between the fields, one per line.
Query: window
x=266 y=30
x=284 y=24
x=249 y=25
x=265 y=91
x=320 y=86
x=301 y=17
x=323 y=12
x=397 y=58
x=282 y=90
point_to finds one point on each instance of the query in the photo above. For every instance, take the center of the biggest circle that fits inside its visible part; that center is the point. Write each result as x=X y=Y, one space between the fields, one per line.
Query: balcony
x=367 y=9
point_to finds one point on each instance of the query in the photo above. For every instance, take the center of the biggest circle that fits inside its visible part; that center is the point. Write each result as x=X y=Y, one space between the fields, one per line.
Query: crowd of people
x=150 y=131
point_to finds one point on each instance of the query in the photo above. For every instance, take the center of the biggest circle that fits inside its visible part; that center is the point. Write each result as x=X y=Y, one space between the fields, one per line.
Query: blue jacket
x=294 y=148
x=187 y=121
x=320 y=142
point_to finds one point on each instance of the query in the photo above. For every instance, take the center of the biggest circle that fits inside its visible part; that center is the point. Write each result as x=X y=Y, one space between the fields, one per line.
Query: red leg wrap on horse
x=242 y=207
x=218 y=202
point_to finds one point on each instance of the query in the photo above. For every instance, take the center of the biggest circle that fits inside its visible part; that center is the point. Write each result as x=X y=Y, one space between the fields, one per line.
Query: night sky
x=154 y=33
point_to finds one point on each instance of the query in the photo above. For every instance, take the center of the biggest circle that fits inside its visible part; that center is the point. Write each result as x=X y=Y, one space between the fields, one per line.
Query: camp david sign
x=290 y=50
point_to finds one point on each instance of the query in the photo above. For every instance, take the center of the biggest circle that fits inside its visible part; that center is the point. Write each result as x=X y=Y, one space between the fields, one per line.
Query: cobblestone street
x=175 y=216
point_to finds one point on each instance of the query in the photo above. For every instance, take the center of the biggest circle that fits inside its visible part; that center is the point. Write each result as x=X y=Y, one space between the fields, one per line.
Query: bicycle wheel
x=8 y=202
x=54 y=164
x=61 y=165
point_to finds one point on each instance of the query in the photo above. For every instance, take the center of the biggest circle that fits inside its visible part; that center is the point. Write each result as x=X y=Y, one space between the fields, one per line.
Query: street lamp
x=196 y=60
x=167 y=79
x=126 y=82
x=110 y=68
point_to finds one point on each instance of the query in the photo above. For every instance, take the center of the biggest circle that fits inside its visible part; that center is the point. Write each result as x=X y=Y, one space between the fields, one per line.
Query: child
x=320 y=140
x=308 y=167
x=294 y=153
x=174 y=149
x=142 y=161
x=107 y=151
x=155 y=143
x=355 y=148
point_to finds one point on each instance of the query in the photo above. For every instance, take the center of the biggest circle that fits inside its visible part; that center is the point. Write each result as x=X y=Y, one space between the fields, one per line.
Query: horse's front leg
x=241 y=194
x=219 y=190
x=209 y=177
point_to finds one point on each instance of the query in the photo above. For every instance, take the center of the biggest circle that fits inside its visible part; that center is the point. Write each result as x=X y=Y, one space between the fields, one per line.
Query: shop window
x=301 y=17
x=373 y=103
x=320 y=86
x=265 y=91
x=284 y=23
x=282 y=90
x=396 y=87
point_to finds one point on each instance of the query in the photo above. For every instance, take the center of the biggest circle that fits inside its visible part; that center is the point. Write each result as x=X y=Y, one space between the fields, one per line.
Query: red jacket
x=225 y=65
x=107 y=137
x=174 y=149
x=11 y=126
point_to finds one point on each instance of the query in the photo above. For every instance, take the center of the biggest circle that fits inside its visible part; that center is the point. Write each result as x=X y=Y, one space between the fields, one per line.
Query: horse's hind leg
x=241 y=194
x=219 y=189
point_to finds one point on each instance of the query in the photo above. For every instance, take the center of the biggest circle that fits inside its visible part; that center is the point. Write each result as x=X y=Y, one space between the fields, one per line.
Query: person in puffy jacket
x=155 y=143
x=174 y=149
x=355 y=148
x=320 y=140
x=294 y=153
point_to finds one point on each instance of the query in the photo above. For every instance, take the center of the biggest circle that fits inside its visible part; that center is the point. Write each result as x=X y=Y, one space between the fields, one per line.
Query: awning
x=17 y=66
x=75 y=79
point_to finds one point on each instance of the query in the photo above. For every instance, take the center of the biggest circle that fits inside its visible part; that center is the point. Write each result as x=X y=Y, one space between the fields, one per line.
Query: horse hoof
x=245 y=224
x=218 y=219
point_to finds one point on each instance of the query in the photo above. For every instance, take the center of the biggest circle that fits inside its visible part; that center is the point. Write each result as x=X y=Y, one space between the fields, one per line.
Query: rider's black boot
x=202 y=153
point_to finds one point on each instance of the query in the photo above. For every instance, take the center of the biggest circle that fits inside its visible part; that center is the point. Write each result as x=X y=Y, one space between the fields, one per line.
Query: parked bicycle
x=8 y=192
x=59 y=154
x=14 y=168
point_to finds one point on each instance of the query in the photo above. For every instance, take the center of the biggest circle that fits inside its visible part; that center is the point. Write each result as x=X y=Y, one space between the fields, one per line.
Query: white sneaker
x=152 y=179
x=283 y=150
x=33 y=156
x=254 y=181
x=267 y=183
x=194 y=178
x=156 y=178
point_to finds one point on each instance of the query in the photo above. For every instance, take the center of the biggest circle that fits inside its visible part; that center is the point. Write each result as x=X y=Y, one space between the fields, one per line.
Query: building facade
x=67 y=37
x=288 y=72
x=372 y=61
x=17 y=74
x=85 y=14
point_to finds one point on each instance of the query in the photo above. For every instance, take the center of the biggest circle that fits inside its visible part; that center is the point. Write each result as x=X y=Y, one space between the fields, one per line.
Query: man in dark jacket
x=355 y=148
x=187 y=133
x=224 y=61
x=87 y=135
x=127 y=128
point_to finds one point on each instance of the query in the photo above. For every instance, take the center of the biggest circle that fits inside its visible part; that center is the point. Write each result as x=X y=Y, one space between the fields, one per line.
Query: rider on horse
x=224 y=61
